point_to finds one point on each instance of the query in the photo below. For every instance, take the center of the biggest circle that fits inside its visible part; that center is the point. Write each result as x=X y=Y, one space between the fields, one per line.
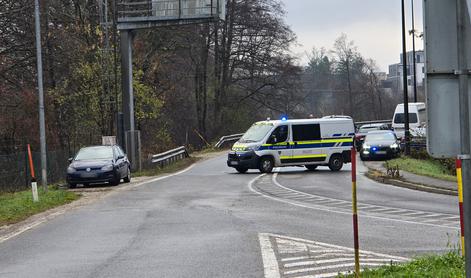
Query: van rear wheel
x=311 y=167
x=242 y=170
x=335 y=162
x=266 y=164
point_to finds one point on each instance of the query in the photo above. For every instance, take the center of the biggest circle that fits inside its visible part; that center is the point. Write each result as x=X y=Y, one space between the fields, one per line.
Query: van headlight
x=70 y=170
x=394 y=146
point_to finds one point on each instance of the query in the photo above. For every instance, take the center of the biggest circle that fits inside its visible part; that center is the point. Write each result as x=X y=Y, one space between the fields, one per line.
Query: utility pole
x=413 y=51
x=42 y=124
x=405 y=85
x=461 y=15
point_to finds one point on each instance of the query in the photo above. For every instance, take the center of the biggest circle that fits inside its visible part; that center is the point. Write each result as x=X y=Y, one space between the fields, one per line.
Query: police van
x=305 y=142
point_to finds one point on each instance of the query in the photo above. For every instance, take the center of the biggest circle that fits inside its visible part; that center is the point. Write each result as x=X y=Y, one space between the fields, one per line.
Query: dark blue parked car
x=380 y=145
x=98 y=164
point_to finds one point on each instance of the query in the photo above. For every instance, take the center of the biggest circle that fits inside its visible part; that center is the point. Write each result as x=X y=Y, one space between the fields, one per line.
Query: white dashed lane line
x=268 y=186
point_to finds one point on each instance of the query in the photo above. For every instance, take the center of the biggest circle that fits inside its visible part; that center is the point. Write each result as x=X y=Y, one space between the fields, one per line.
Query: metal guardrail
x=374 y=122
x=228 y=138
x=170 y=156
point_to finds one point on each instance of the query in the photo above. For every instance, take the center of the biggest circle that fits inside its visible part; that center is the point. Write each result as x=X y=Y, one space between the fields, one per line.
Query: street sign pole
x=462 y=15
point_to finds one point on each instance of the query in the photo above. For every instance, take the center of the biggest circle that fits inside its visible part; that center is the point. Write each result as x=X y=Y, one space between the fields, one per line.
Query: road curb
x=380 y=177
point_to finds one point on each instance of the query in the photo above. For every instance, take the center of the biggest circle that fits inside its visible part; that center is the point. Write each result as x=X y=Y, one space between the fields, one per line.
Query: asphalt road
x=209 y=221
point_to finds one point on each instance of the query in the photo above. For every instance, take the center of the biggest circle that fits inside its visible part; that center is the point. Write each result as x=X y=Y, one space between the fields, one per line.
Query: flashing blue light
x=284 y=118
x=374 y=148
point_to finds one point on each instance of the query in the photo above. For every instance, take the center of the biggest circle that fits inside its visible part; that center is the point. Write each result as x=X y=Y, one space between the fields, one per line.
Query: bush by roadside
x=433 y=266
x=448 y=163
x=435 y=168
x=15 y=207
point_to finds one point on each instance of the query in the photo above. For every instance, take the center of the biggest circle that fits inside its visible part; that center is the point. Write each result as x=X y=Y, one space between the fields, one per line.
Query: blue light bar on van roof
x=284 y=118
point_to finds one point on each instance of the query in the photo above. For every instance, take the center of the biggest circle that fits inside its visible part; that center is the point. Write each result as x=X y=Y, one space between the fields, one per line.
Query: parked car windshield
x=95 y=153
x=256 y=132
x=374 y=137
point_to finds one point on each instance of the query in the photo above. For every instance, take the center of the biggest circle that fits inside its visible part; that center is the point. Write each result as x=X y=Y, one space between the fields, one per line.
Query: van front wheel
x=335 y=162
x=266 y=164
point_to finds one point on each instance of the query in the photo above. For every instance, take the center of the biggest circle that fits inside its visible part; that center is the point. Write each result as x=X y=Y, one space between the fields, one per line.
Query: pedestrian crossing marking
x=296 y=257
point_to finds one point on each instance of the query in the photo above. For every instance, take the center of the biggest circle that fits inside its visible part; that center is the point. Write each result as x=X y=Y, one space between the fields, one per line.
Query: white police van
x=307 y=142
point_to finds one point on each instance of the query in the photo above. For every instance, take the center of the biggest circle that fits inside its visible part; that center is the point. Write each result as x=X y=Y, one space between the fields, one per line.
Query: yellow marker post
x=459 y=178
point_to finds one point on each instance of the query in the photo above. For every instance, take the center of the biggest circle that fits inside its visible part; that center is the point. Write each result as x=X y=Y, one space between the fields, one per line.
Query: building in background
x=394 y=78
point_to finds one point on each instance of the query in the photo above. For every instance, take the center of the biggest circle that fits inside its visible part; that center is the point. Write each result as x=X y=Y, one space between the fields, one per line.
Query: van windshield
x=256 y=132
x=399 y=118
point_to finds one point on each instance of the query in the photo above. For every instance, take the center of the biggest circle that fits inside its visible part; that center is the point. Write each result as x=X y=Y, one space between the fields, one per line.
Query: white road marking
x=270 y=264
x=327 y=209
x=60 y=212
x=319 y=262
x=331 y=257
x=289 y=272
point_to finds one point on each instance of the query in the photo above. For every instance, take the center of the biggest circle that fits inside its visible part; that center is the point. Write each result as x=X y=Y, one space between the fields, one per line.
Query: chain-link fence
x=15 y=173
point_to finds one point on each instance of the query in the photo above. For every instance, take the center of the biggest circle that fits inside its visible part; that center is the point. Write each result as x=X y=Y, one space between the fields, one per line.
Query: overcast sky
x=374 y=26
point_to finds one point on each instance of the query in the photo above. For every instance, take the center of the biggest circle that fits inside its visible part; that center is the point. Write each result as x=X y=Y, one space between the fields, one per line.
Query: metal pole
x=404 y=73
x=42 y=124
x=355 y=212
x=128 y=97
x=461 y=15
x=413 y=52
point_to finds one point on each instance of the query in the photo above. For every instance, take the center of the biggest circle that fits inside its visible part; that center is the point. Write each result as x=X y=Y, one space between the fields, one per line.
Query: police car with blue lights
x=302 y=142
x=380 y=145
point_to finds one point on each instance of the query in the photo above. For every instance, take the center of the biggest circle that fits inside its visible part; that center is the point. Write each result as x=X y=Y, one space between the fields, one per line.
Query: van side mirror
x=273 y=139
x=70 y=159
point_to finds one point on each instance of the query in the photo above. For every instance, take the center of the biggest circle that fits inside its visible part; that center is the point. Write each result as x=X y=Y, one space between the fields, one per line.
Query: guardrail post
x=355 y=214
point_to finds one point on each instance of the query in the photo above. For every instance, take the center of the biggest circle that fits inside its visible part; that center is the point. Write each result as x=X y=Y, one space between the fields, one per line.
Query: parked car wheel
x=128 y=176
x=266 y=164
x=335 y=162
x=115 y=181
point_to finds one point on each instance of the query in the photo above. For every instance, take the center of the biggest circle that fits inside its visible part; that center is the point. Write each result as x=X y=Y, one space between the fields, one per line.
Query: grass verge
x=179 y=165
x=433 y=266
x=423 y=167
x=15 y=207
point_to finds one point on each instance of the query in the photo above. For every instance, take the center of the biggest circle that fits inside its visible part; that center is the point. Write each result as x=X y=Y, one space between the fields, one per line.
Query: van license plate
x=234 y=162
x=381 y=152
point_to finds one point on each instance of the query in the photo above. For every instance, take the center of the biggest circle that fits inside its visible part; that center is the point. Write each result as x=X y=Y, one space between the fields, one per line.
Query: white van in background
x=417 y=119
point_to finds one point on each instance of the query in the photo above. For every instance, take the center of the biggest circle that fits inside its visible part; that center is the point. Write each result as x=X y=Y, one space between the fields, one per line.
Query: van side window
x=399 y=118
x=423 y=116
x=308 y=132
x=280 y=133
